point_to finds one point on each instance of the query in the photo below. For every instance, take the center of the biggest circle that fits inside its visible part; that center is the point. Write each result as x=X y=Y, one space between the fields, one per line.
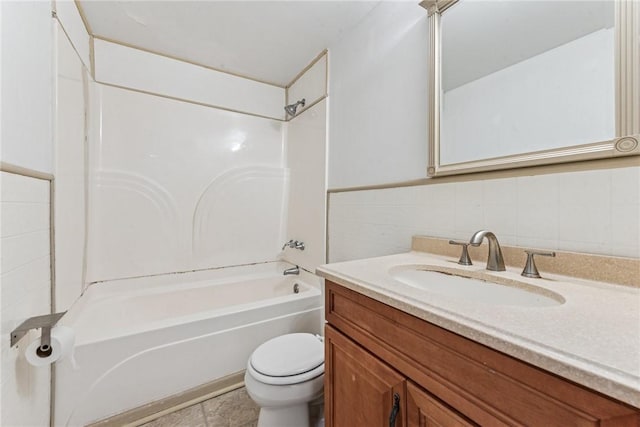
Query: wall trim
x=87 y=27
x=610 y=163
x=197 y=64
x=308 y=107
x=73 y=46
x=20 y=170
x=189 y=101
x=307 y=68
x=92 y=57
x=149 y=412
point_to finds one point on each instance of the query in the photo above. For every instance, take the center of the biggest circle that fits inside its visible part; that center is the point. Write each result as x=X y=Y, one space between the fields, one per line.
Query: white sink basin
x=451 y=283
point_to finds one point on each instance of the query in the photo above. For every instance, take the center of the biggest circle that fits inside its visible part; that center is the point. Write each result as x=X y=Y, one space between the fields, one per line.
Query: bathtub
x=144 y=339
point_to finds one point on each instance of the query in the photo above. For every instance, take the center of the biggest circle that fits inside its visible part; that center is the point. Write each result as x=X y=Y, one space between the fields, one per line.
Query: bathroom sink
x=476 y=286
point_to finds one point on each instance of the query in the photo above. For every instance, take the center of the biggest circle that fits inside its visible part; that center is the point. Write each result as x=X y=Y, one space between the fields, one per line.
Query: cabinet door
x=423 y=410
x=360 y=390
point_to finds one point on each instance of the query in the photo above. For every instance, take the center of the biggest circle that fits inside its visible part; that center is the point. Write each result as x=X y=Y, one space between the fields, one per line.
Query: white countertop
x=592 y=339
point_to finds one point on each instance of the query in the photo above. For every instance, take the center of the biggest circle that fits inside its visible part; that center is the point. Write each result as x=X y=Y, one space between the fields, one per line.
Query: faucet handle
x=530 y=269
x=464 y=256
x=289 y=244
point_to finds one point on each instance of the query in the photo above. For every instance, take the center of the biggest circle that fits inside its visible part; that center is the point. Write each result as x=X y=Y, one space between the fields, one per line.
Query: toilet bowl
x=283 y=376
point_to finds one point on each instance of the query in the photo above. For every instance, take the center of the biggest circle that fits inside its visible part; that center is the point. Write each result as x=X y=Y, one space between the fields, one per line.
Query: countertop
x=593 y=338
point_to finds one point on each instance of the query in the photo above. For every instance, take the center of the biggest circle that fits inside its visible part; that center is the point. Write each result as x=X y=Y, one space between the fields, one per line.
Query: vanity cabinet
x=363 y=388
x=375 y=352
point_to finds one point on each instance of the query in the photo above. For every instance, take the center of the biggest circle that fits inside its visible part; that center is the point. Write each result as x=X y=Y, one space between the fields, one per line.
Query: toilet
x=283 y=376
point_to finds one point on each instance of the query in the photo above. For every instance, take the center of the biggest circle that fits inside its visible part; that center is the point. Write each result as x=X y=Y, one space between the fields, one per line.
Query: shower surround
x=177 y=187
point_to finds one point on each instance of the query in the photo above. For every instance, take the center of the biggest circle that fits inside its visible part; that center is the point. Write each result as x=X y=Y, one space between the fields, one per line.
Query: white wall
x=132 y=68
x=378 y=89
x=592 y=211
x=176 y=186
x=27 y=84
x=569 y=93
x=378 y=77
x=69 y=170
x=25 y=288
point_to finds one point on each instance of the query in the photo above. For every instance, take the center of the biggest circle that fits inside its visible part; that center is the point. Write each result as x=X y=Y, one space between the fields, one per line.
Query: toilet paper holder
x=45 y=322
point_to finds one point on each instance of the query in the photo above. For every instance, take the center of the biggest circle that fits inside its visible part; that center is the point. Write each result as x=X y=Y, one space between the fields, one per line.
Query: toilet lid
x=289 y=355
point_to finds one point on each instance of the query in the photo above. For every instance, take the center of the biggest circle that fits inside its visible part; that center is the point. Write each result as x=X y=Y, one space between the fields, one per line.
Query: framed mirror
x=531 y=82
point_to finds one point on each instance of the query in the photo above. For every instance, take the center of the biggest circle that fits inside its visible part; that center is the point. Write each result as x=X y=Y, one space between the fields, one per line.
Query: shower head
x=291 y=109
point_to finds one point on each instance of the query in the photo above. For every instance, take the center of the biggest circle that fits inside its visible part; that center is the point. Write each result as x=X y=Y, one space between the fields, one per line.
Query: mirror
x=532 y=82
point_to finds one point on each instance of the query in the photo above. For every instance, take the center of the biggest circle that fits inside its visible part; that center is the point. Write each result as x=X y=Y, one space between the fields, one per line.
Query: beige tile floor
x=233 y=409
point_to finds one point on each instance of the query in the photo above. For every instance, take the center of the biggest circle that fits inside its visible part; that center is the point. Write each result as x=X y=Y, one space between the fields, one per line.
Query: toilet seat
x=288 y=359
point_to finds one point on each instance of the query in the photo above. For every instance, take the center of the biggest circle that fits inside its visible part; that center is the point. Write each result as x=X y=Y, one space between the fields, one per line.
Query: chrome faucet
x=495 y=261
x=293 y=270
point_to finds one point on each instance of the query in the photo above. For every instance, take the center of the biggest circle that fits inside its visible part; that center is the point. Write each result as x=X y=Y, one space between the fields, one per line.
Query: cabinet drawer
x=484 y=385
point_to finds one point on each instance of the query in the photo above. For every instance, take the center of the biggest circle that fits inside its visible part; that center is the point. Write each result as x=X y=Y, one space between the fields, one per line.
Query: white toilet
x=283 y=375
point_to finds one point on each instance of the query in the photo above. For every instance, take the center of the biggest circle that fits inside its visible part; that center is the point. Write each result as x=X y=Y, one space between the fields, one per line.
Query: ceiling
x=270 y=41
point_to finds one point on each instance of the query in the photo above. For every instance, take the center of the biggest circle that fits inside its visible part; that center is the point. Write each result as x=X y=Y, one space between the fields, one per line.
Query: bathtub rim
x=107 y=293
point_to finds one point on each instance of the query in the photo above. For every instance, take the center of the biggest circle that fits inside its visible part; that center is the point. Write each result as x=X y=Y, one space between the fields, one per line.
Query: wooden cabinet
x=424 y=410
x=363 y=388
x=374 y=352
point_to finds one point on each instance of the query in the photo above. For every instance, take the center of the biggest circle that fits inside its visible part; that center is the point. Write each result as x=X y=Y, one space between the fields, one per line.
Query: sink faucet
x=495 y=261
x=293 y=270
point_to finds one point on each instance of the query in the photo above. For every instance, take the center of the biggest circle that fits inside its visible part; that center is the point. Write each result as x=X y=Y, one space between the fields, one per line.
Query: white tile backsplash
x=23 y=217
x=595 y=211
x=25 y=288
x=21 y=249
x=625 y=186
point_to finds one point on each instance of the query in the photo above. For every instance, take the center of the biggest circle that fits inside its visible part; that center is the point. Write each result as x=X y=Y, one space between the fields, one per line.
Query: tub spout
x=293 y=270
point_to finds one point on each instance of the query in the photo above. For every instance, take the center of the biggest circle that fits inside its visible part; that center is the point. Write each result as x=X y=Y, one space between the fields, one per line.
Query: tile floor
x=233 y=409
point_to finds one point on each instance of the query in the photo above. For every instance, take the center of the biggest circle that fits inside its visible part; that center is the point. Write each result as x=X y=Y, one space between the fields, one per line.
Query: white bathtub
x=140 y=340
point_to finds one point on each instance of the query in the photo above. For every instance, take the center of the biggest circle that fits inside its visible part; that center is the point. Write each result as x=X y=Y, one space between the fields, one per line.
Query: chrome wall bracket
x=45 y=322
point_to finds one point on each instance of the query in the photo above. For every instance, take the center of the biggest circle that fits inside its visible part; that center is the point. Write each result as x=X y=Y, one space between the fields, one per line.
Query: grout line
x=22 y=202
x=40 y=258
x=204 y=414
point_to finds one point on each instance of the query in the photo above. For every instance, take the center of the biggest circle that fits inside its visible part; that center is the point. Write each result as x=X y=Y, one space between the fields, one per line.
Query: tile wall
x=594 y=211
x=25 y=292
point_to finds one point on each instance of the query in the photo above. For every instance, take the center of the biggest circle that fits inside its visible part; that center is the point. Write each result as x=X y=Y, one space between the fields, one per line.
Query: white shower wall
x=176 y=186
